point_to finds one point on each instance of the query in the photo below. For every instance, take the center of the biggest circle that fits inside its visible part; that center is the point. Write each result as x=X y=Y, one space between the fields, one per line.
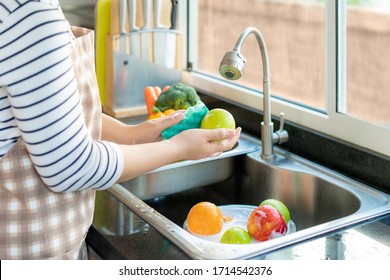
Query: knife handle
x=132 y=5
x=174 y=13
x=122 y=16
x=157 y=13
x=146 y=6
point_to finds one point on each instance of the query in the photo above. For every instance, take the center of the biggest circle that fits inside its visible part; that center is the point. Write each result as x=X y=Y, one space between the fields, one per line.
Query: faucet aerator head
x=232 y=65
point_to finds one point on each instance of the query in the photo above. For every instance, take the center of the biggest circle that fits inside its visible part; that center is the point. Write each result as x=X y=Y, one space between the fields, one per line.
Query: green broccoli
x=178 y=97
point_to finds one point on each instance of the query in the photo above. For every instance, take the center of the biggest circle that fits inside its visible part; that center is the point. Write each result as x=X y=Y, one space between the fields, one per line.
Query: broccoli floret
x=178 y=97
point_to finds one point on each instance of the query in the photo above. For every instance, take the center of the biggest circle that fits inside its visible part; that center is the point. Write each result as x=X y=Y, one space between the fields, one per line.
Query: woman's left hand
x=150 y=130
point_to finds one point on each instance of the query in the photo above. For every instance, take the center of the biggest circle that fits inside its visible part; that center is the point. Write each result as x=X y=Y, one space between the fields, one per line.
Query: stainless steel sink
x=320 y=200
x=184 y=175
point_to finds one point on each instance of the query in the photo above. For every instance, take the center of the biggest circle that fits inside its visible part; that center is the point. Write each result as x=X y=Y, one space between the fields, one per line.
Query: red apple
x=265 y=222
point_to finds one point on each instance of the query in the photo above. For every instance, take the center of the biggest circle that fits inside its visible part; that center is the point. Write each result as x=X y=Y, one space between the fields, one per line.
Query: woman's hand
x=202 y=143
x=150 y=130
x=146 y=132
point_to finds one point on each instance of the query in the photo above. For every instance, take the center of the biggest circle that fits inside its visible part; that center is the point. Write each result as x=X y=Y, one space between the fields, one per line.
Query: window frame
x=331 y=122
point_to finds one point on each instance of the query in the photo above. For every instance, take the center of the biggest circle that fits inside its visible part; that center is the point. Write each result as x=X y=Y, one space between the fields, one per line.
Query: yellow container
x=102 y=29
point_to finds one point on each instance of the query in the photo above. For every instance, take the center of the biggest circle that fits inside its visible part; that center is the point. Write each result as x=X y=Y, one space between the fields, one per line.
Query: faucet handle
x=281 y=134
x=281 y=127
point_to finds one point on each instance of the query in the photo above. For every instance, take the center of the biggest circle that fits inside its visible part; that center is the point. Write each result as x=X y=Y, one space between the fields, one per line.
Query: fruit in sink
x=265 y=222
x=205 y=218
x=236 y=235
x=218 y=118
x=278 y=205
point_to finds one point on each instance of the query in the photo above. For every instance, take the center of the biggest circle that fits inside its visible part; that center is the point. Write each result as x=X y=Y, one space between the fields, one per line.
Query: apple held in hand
x=265 y=222
x=218 y=118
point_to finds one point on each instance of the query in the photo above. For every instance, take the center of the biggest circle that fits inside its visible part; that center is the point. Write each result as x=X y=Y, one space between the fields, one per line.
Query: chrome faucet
x=231 y=68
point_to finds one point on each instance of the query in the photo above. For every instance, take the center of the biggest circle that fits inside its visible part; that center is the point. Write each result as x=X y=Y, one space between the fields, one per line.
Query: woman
x=56 y=148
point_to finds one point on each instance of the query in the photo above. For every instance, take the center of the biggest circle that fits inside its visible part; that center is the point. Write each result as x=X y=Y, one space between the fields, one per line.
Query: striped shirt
x=39 y=100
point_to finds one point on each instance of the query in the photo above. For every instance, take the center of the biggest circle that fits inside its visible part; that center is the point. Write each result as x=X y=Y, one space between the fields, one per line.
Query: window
x=367 y=94
x=294 y=32
x=316 y=64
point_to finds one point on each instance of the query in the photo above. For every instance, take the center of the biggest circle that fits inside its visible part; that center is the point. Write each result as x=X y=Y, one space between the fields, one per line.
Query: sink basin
x=320 y=201
x=184 y=175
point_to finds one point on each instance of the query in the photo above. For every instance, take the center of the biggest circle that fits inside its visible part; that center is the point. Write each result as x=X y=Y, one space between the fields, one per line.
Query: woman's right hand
x=202 y=143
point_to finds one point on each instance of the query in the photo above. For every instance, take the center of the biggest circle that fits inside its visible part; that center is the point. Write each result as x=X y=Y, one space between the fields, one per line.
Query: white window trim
x=373 y=137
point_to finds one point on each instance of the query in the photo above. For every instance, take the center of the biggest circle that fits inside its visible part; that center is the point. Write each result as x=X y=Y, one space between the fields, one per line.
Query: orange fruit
x=205 y=218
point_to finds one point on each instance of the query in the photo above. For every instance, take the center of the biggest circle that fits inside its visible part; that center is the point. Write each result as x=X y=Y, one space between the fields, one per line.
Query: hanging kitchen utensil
x=121 y=58
x=135 y=37
x=164 y=39
x=174 y=13
x=146 y=32
x=122 y=25
x=157 y=14
x=126 y=92
x=128 y=75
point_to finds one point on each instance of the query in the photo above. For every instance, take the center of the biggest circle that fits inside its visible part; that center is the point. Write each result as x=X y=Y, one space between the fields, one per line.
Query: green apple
x=235 y=235
x=218 y=118
x=278 y=205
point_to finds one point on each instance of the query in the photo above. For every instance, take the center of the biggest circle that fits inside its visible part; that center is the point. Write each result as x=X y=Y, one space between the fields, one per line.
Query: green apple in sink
x=236 y=235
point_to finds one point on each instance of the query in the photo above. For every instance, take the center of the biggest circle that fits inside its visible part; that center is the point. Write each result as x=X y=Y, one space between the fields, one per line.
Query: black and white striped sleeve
x=42 y=90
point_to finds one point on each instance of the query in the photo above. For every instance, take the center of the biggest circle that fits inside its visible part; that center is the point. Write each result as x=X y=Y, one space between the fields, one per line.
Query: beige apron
x=36 y=223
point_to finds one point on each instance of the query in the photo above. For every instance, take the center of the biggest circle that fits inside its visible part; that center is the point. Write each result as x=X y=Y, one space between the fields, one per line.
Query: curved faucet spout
x=263 y=49
x=231 y=68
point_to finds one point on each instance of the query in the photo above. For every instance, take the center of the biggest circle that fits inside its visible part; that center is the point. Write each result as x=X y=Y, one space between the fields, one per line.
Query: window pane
x=368 y=60
x=294 y=33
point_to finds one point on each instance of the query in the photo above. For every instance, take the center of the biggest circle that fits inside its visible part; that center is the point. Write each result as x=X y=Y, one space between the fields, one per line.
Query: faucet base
x=267 y=131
